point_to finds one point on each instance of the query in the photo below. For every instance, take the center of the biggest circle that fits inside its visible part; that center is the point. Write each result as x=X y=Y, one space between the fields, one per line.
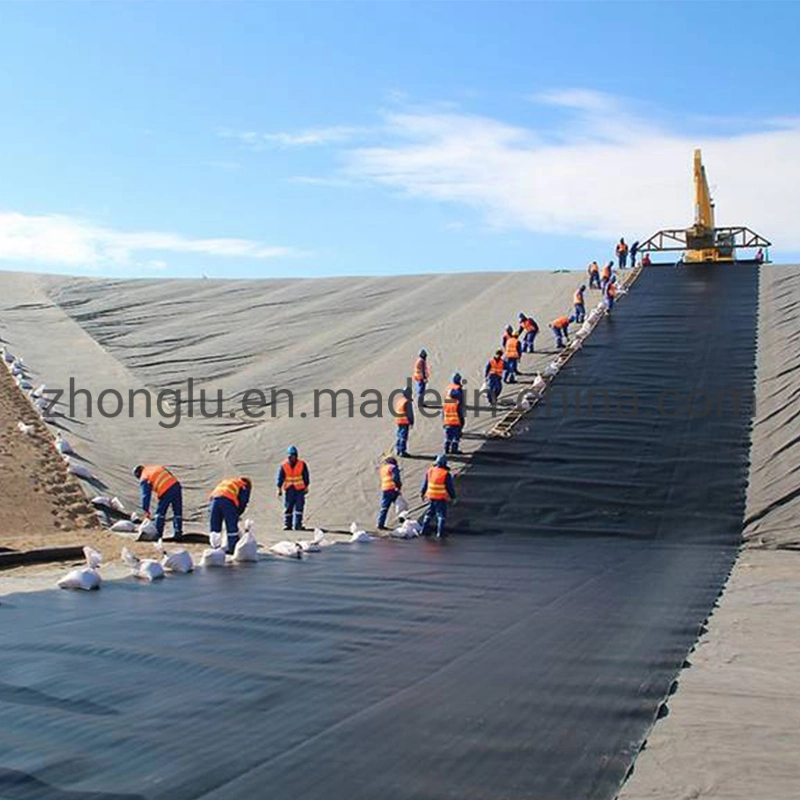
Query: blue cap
x=291 y=451
x=457 y=377
x=423 y=353
x=441 y=461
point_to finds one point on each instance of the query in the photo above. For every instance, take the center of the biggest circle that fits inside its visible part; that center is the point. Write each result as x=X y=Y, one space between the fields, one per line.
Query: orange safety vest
x=160 y=478
x=450 y=414
x=496 y=365
x=594 y=268
x=421 y=370
x=388 y=483
x=561 y=322
x=578 y=298
x=293 y=475
x=622 y=248
x=611 y=290
x=453 y=387
x=437 y=484
x=229 y=488
x=606 y=272
x=512 y=347
x=528 y=325
x=400 y=408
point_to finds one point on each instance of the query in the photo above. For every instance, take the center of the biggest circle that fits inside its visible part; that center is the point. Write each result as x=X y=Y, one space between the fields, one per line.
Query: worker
x=634 y=250
x=622 y=254
x=579 y=303
x=227 y=503
x=390 y=488
x=646 y=262
x=494 y=376
x=760 y=256
x=509 y=331
x=527 y=332
x=560 y=328
x=594 y=275
x=404 y=420
x=158 y=480
x=293 y=483
x=511 y=353
x=452 y=421
x=438 y=489
x=605 y=275
x=422 y=374
x=609 y=294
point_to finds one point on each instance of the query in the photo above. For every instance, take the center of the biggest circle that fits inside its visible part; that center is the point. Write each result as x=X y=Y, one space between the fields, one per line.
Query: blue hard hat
x=457 y=377
x=423 y=353
x=441 y=461
x=291 y=450
x=583 y=287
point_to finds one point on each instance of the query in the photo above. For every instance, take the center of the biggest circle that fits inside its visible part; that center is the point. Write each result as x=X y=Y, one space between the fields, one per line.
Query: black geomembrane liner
x=526 y=664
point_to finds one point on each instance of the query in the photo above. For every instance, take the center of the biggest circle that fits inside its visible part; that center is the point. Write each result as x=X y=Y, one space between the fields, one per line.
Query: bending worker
x=605 y=275
x=560 y=328
x=391 y=485
x=512 y=354
x=438 y=489
x=527 y=331
x=494 y=376
x=404 y=420
x=293 y=483
x=594 y=275
x=158 y=480
x=580 y=304
x=610 y=294
x=228 y=502
x=422 y=374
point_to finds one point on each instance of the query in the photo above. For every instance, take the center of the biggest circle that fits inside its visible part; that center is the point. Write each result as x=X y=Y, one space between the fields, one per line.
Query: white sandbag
x=576 y=345
x=17 y=370
x=484 y=388
x=287 y=549
x=524 y=404
x=410 y=529
x=24 y=384
x=551 y=369
x=357 y=535
x=213 y=557
x=147 y=569
x=215 y=540
x=78 y=470
x=247 y=547
x=8 y=356
x=179 y=562
x=315 y=544
x=84 y=578
x=117 y=505
x=102 y=500
x=148 y=532
x=400 y=505
x=63 y=446
x=41 y=404
x=123 y=526
x=26 y=430
x=539 y=383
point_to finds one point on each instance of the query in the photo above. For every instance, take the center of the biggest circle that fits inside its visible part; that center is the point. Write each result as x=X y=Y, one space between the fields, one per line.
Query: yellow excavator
x=704 y=242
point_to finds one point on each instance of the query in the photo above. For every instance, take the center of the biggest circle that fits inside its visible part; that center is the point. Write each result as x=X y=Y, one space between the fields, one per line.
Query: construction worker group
x=229 y=499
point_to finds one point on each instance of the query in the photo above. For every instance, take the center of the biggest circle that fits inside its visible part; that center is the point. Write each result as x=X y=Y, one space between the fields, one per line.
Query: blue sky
x=267 y=139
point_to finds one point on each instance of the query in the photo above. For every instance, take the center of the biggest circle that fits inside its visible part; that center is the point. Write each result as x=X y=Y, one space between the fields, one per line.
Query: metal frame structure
x=674 y=239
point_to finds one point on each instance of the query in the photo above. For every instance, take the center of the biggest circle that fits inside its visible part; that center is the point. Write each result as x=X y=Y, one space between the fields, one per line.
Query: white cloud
x=608 y=171
x=66 y=241
x=287 y=139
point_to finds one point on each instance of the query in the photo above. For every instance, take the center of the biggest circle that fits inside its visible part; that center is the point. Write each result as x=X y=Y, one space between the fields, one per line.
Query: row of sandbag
x=21 y=374
x=88 y=576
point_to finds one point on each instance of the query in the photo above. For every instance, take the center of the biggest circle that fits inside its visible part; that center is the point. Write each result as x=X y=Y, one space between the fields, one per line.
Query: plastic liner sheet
x=526 y=664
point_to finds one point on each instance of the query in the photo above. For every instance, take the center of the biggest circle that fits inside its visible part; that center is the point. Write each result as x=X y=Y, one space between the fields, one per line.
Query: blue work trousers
x=172 y=498
x=401 y=446
x=437 y=509
x=387 y=498
x=223 y=510
x=294 y=503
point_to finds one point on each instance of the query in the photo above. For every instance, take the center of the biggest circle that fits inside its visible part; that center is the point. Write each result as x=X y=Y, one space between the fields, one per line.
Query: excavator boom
x=704 y=241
